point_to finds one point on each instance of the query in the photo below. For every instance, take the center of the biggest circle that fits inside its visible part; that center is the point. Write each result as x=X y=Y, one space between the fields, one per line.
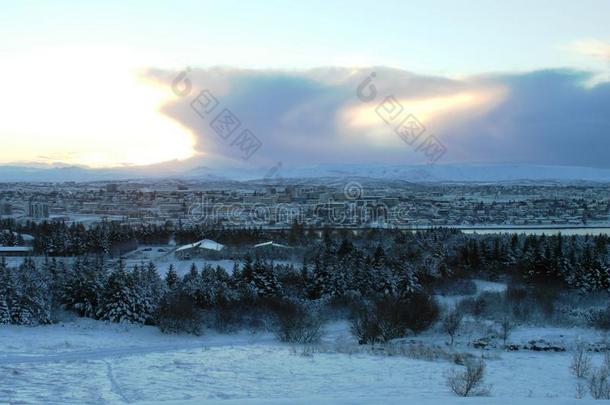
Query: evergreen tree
x=171 y=278
x=118 y=298
x=83 y=287
x=5 y=294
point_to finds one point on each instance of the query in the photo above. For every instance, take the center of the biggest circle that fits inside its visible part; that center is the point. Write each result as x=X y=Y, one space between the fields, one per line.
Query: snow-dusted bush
x=469 y=382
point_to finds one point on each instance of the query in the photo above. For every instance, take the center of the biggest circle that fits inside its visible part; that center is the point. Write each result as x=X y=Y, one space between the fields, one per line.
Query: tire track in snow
x=114 y=385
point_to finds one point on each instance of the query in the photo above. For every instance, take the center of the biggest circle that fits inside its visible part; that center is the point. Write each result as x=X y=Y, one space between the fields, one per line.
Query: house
x=205 y=247
x=270 y=245
x=15 y=250
x=272 y=249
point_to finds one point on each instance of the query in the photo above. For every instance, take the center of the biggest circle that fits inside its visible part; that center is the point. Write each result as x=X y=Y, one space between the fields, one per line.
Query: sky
x=94 y=83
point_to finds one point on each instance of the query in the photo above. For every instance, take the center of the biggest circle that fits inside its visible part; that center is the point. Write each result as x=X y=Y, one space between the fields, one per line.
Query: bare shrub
x=418 y=351
x=600 y=319
x=479 y=307
x=599 y=385
x=393 y=318
x=580 y=390
x=389 y=318
x=469 y=382
x=365 y=326
x=420 y=311
x=581 y=361
x=607 y=360
x=506 y=326
x=545 y=298
x=473 y=306
x=451 y=323
x=516 y=298
x=297 y=324
x=228 y=315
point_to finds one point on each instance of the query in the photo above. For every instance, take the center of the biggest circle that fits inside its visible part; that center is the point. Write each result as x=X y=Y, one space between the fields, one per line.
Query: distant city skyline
x=525 y=82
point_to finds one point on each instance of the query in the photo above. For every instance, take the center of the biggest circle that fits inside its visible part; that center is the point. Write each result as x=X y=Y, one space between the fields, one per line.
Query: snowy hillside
x=88 y=361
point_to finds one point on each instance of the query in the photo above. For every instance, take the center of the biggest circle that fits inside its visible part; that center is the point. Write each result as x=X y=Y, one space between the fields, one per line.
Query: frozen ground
x=90 y=361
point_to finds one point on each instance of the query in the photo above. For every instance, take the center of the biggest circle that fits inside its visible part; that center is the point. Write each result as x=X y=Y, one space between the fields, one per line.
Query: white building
x=202 y=248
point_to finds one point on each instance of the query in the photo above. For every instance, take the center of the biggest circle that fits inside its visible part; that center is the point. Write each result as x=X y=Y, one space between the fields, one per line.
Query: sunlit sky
x=72 y=88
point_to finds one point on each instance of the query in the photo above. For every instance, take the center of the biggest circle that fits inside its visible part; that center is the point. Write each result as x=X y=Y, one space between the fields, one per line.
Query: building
x=272 y=250
x=6 y=208
x=38 y=210
x=203 y=248
x=270 y=245
x=112 y=188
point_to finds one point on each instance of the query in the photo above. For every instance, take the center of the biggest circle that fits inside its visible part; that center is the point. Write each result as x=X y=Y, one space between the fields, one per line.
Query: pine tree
x=191 y=285
x=118 y=298
x=265 y=281
x=33 y=299
x=83 y=287
x=320 y=281
x=171 y=277
x=5 y=293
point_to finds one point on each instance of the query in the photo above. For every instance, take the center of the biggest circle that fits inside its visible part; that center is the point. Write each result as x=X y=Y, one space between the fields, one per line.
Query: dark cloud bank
x=546 y=117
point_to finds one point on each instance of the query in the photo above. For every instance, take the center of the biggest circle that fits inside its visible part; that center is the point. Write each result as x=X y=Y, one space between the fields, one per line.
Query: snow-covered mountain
x=413 y=173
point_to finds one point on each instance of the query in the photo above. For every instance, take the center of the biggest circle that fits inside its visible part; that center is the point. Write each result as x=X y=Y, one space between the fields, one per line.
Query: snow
x=489 y=286
x=12 y=249
x=271 y=244
x=203 y=244
x=482 y=286
x=89 y=361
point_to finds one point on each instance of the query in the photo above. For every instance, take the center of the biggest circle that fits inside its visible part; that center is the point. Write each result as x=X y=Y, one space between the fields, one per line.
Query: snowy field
x=89 y=361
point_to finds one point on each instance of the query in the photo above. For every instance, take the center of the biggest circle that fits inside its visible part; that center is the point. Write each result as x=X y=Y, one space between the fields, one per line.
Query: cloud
x=592 y=47
x=315 y=116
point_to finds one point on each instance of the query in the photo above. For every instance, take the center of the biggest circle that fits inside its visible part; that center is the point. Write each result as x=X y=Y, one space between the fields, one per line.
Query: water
x=540 y=231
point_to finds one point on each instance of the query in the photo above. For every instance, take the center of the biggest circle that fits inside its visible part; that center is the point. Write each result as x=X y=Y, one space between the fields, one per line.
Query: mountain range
x=413 y=173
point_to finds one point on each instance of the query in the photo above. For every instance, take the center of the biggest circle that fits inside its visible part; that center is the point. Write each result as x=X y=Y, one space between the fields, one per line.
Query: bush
x=600 y=319
x=581 y=361
x=599 y=386
x=365 y=326
x=391 y=317
x=296 y=323
x=506 y=326
x=545 y=297
x=473 y=306
x=421 y=311
x=470 y=381
x=451 y=323
x=177 y=313
x=228 y=314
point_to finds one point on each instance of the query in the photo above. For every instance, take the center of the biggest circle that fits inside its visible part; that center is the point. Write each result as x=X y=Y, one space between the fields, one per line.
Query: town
x=359 y=203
